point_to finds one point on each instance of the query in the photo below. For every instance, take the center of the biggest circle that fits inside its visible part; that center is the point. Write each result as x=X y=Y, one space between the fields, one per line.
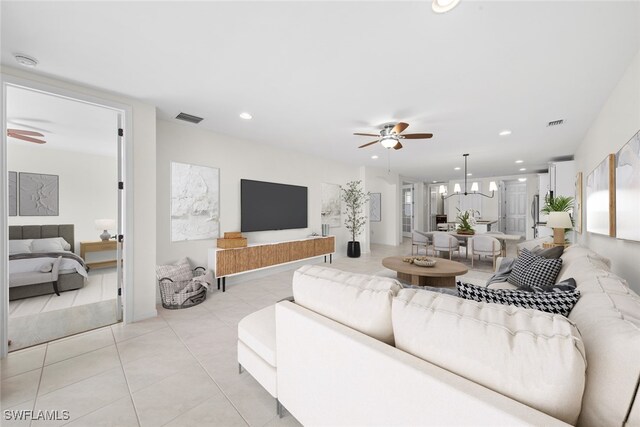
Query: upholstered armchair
x=445 y=242
x=419 y=240
x=485 y=245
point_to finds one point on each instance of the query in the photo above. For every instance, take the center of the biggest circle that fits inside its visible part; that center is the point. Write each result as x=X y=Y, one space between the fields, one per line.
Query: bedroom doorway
x=61 y=188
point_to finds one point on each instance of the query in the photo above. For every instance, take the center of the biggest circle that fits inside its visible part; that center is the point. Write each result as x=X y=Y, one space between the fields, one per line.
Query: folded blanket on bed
x=67 y=255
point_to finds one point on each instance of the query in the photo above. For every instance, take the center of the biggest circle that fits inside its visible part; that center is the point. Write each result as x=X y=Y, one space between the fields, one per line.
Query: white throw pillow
x=20 y=246
x=358 y=301
x=533 y=357
x=51 y=244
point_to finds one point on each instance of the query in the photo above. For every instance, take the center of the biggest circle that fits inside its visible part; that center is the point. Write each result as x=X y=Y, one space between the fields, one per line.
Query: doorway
x=515 y=207
x=87 y=298
x=407 y=209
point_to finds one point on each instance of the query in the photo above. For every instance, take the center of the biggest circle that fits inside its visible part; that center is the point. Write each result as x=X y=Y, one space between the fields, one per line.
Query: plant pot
x=353 y=249
x=469 y=232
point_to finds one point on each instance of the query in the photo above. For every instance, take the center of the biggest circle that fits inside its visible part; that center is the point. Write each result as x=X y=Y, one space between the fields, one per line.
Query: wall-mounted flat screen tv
x=271 y=206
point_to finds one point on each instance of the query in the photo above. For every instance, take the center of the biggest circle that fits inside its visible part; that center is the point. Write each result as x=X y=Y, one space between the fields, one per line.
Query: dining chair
x=419 y=240
x=485 y=245
x=445 y=242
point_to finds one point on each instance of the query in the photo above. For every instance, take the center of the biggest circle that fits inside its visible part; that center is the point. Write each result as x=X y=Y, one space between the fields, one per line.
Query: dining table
x=502 y=238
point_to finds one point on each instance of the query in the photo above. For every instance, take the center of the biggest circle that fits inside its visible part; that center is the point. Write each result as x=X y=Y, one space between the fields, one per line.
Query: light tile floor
x=178 y=369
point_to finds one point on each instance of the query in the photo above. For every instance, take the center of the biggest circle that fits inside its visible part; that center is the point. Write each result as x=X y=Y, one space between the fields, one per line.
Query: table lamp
x=105 y=225
x=559 y=221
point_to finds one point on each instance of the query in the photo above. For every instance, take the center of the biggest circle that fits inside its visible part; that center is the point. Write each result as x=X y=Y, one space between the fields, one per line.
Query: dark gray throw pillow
x=565 y=285
x=550 y=253
x=560 y=302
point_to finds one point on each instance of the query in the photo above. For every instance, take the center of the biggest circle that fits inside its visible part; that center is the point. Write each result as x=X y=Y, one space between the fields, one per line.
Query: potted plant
x=467 y=221
x=354 y=198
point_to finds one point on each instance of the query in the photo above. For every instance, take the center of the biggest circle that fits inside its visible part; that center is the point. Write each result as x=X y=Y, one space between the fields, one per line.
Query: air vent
x=189 y=118
x=555 y=123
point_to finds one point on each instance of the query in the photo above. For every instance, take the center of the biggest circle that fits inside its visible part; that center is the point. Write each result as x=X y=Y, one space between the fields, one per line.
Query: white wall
x=387 y=231
x=143 y=126
x=238 y=159
x=87 y=186
x=616 y=123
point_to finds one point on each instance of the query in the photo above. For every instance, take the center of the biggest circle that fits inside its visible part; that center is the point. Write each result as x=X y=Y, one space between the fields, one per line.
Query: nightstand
x=99 y=246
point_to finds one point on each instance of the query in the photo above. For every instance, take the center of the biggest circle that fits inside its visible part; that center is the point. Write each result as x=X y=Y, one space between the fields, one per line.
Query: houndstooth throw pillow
x=531 y=270
x=560 y=302
x=177 y=272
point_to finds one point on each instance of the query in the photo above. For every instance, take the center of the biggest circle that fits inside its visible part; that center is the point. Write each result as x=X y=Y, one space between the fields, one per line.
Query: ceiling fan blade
x=399 y=127
x=368 y=144
x=367 y=134
x=397 y=146
x=24 y=132
x=27 y=138
x=418 y=135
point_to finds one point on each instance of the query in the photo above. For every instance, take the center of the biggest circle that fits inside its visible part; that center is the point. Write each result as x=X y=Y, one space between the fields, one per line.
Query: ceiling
x=66 y=124
x=312 y=73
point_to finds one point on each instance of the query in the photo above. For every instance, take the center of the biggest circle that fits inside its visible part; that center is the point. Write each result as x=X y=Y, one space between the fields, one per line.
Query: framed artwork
x=601 y=198
x=38 y=194
x=628 y=190
x=195 y=202
x=375 y=207
x=13 y=194
x=331 y=205
x=577 y=207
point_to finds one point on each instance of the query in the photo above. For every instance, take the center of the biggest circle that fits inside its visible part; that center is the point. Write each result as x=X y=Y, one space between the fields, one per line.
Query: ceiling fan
x=390 y=136
x=26 y=135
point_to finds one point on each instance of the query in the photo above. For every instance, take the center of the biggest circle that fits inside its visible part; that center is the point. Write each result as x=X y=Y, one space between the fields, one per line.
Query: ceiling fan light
x=388 y=142
x=442 y=6
x=474 y=186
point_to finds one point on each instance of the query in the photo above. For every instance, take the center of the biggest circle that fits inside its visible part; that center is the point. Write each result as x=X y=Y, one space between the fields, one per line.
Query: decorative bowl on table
x=424 y=262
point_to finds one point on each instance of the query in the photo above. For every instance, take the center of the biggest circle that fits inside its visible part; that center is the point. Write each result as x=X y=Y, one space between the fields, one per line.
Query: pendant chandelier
x=474 y=186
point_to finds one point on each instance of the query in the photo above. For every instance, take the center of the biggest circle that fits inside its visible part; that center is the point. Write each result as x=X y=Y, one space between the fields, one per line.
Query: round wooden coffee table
x=442 y=274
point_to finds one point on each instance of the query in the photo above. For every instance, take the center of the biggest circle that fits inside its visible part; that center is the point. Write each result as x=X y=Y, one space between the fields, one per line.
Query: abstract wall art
x=13 y=194
x=375 y=207
x=195 y=202
x=601 y=198
x=38 y=194
x=628 y=190
x=331 y=205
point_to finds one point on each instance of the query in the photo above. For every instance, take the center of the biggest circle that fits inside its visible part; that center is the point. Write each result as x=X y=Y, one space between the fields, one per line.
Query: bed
x=71 y=269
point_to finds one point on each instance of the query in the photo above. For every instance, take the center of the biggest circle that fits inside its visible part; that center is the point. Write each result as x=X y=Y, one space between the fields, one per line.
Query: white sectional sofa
x=359 y=350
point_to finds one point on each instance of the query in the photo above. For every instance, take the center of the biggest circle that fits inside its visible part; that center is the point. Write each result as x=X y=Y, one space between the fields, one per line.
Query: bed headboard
x=17 y=232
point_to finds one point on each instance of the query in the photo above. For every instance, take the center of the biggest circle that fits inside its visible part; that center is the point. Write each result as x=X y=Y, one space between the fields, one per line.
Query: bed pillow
x=20 y=246
x=52 y=244
x=177 y=272
x=559 y=302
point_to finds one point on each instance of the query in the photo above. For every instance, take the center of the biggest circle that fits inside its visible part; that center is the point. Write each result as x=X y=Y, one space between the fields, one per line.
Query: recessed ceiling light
x=522 y=179
x=523 y=169
x=26 y=60
x=246 y=116
x=457 y=168
x=434 y=181
x=374 y=157
x=442 y=6
x=469 y=174
x=519 y=161
x=505 y=132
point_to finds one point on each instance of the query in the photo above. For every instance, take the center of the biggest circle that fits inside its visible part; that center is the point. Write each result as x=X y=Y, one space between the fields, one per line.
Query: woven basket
x=173 y=299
